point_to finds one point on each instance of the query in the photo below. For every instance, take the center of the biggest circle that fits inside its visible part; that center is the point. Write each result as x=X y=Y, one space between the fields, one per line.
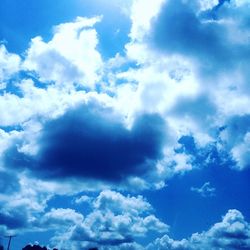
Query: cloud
x=186 y=108
x=141 y=19
x=233 y=232
x=15 y=218
x=196 y=57
x=9 y=65
x=205 y=190
x=35 y=102
x=22 y=202
x=187 y=35
x=51 y=141
x=113 y=201
x=83 y=199
x=60 y=218
x=236 y=139
x=115 y=221
x=87 y=142
x=9 y=183
x=70 y=56
x=207 y=39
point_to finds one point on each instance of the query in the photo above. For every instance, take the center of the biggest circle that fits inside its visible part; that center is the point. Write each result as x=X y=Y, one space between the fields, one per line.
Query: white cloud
x=61 y=217
x=116 y=220
x=241 y=152
x=235 y=139
x=207 y=4
x=35 y=102
x=205 y=190
x=190 y=101
x=9 y=65
x=141 y=14
x=113 y=201
x=70 y=56
x=233 y=232
x=83 y=199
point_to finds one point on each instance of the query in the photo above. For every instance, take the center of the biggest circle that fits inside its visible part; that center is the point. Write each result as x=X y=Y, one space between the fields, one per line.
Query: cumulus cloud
x=195 y=63
x=164 y=83
x=88 y=142
x=116 y=220
x=36 y=102
x=70 y=56
x=186 y=65
x=233 y=232
x=9 y=65
x=61 y=217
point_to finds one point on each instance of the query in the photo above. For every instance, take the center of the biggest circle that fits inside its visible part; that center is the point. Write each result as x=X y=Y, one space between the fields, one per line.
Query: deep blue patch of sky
x=188 y=212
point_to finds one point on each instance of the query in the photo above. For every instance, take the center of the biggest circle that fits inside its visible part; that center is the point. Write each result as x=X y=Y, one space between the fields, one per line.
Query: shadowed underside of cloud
x=88 y=142
x=180 y=29
x=13 y=219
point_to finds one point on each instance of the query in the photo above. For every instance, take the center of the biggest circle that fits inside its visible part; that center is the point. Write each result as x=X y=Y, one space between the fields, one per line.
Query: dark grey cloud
x=89 y=142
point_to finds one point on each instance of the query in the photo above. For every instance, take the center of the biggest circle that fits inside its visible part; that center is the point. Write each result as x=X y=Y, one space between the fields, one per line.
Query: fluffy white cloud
x=117 y=203
x=180 y=79
x=83 y=199
x=141 y=14
x=233 y=232
x=116 y=220
x=241 y=152
x=61 y=217
x=36 y=102
x=70 y=56
x=9 y=64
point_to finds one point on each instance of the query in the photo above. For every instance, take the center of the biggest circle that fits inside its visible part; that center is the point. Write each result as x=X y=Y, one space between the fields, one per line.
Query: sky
x=125 y=125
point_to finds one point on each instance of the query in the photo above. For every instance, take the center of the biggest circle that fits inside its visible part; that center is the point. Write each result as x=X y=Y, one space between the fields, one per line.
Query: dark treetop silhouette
x=36 y=247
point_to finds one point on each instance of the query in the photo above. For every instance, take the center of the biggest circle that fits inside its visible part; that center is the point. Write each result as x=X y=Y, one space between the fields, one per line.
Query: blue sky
x=125 y=125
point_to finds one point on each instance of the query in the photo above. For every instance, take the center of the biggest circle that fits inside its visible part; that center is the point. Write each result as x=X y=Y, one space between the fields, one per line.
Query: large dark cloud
x=89 y=142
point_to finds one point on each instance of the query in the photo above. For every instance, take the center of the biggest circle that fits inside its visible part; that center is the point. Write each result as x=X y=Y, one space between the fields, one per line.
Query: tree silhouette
x=34 y=247
x=37 y=247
